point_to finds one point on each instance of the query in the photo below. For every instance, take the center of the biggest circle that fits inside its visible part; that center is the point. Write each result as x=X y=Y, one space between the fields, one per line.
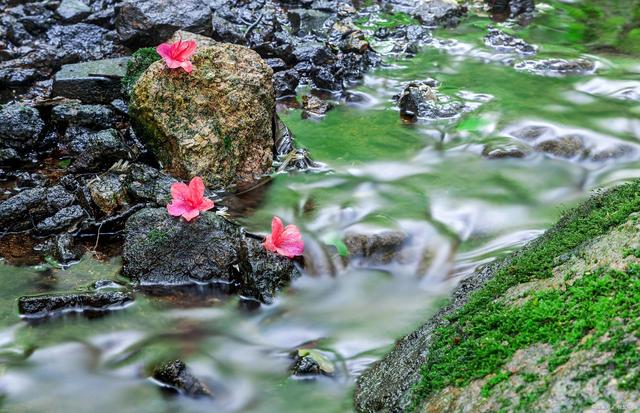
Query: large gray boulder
x=163 y=250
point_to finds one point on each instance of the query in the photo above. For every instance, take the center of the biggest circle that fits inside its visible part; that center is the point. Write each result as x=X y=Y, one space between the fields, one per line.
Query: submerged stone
x=178 y=376
x=47 y=305
x=215 y=122
x=557 y=67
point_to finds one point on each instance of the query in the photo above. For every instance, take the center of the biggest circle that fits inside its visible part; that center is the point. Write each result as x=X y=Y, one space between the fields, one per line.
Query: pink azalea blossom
x=188 y=201
x=285 y=241
x=178 y=54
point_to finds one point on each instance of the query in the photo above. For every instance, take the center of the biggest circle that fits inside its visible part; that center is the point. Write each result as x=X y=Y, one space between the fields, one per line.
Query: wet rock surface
x=91 y=82
x=47 y=305
x=420 y=100
x=20 y=126
x=178 y=376
x=163 y=250
x=146 y=22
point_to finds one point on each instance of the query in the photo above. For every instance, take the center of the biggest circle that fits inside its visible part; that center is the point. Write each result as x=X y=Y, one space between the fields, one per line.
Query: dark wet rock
x=420 y=100
x=276 y=64
x=102 y=149
x=20 y=126
x=304 y=366
x=286 y=82
x=568 y=146
x=98 y=116
x=225 y=31
x=64 y=219
x=231 y=141
x=432 y=13
x=24 y=179
x=16 y=76
x=73 y=11
x=314 y=107
x=298 y=159
x=311 y=362
x=80 y=42
x=120 y=106
x=375 y=248
x=506 y=43
x=147 y=184
x=354 y=42
x=144 y=23
x=502 y=9
x=53 y=304
x=108 y=192
x=557 y=67
x=325 y=79
x=164 y=250
x=102 y=284
x=91 y=82
x=176 y=375
x=317 y=54
x=160 y=249
x=57 y=197
x=62 y=248
x=16 y=212
x=9 y=156
x=269 y=273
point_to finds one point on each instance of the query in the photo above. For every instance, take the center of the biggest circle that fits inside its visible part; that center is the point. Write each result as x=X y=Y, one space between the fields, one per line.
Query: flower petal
x=186 y=49
x=268 y=244
x=164 y=50
x=205 y=205
x=187 y=66
x=276 y=229
x=196 y=190
x=180 y=191
x=291 y=243
x=178 y=208
x=191 y=214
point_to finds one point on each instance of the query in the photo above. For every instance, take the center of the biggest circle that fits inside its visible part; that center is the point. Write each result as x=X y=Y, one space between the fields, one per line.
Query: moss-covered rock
x=553 y=327
x=215 y=122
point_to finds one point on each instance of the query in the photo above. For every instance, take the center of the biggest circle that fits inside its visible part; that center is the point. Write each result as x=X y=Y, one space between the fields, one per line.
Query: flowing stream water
x=428 y=179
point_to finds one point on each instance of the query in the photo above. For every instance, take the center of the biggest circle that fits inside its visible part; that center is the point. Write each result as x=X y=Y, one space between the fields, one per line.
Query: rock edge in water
x=600 y=238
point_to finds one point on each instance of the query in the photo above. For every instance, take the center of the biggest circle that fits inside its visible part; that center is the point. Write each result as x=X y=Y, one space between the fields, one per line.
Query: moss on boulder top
x=553 y=327
x=215 y=122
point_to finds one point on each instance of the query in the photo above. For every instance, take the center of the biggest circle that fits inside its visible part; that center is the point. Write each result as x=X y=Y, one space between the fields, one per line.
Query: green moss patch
x=484 y=333
x=139 y=62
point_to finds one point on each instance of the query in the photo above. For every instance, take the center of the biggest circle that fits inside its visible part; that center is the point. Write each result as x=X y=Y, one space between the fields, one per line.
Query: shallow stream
x=428 y=179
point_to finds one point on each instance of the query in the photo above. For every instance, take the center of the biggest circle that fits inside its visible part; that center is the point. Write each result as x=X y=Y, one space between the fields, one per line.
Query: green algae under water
x=428 y=179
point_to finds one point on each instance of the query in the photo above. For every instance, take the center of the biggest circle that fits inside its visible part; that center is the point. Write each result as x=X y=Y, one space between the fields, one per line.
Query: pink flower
x=188 y=201
x=178 y=54
x=285 y=241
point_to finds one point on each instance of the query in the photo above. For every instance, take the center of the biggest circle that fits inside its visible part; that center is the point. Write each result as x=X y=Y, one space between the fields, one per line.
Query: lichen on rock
x=215 y=122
